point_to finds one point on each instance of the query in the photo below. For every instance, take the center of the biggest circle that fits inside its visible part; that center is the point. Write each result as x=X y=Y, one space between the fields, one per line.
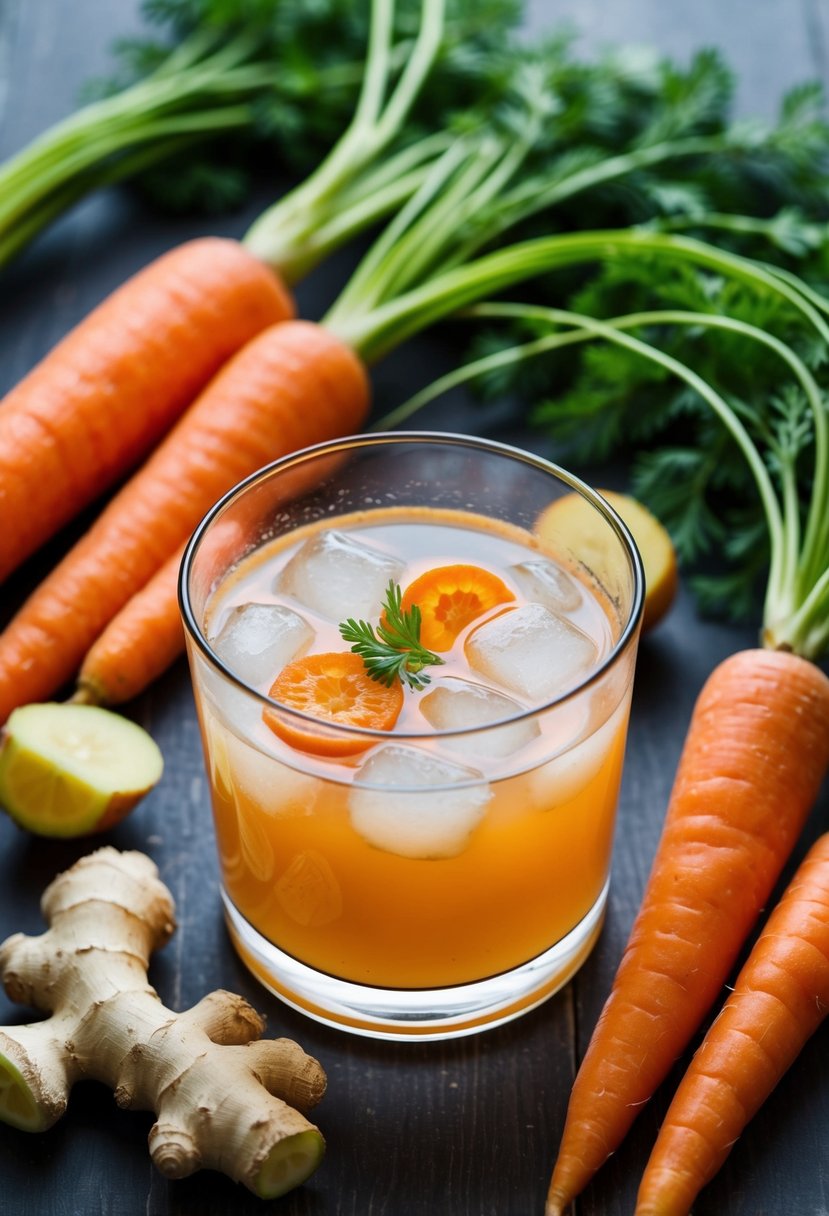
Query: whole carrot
x=293 y=385
x=101 y=399
x=138 y=644
x=779 y=1000
x=754 y=758
x=97 y=404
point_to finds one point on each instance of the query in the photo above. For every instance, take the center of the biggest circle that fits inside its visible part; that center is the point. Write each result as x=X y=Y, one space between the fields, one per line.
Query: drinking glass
x=453 y=889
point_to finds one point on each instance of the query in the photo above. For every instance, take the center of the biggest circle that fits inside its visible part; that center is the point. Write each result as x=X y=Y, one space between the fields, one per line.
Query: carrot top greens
x=777 y=438
x=229 y=84
x=708 y=357
x=431 y=260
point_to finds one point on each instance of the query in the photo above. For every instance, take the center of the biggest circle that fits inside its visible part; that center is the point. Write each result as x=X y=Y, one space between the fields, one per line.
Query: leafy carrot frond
x=392 y=649
x=675 y=483
x=786 y=429
x=280 y=75
x=781 y=437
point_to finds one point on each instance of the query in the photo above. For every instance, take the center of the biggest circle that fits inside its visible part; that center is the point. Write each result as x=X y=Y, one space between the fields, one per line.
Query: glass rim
x=386 y=439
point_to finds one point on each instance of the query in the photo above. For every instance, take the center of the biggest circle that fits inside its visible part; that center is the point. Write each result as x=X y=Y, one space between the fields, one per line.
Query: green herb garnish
x=392 y=650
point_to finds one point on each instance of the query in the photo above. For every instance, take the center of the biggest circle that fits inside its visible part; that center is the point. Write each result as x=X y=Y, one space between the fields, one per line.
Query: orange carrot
x=780 y=998
x=103 y=397
x=754 y=758
x=146 y=636
x=139 y=643
x=293 y=385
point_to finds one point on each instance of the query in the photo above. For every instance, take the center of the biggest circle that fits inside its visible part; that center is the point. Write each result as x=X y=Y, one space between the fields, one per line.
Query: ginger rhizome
x=223 y=1098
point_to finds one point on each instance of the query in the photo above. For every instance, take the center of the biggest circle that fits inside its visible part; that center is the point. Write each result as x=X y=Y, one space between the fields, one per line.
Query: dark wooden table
x=459 y=1129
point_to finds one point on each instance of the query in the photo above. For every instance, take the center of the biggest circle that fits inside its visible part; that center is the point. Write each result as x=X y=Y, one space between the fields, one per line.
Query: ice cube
x=254 y=842
x=339 y=577
x=274 y=787
x=257 y=640
x=255 y=852
x=412 y=803
x=546 y=583
x=532 y=651
x=308 y=891
x=241 y=769
x=456 y=704
x=565 y=776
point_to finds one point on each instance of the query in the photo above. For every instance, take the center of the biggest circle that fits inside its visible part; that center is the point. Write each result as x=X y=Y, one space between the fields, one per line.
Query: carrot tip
x=556 y=1204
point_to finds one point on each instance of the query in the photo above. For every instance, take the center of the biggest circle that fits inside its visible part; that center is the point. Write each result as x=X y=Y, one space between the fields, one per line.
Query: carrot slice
x=452 y=597
x=334 y=687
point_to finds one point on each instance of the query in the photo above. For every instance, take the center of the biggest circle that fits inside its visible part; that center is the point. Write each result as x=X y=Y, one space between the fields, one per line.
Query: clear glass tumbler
x=448 y=875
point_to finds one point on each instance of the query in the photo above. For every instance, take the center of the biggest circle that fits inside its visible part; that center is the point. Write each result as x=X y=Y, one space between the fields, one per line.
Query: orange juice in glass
x=442 y=867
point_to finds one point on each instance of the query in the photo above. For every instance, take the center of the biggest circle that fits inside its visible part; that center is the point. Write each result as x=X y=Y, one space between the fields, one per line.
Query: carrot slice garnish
x=335 y=688
x=452 y=597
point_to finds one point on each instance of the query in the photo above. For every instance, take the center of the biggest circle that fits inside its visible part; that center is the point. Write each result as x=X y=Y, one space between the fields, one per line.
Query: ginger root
x=223 y=1098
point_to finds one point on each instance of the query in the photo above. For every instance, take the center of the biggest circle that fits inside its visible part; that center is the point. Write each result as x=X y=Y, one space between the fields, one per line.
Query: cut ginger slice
x=68 y=770
x=336 y=689
x=18 y=1105
x=572 y=521
x=452 y=597
x=289 y=1163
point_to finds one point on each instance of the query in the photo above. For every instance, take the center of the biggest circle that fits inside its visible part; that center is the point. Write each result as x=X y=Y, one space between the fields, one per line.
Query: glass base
x=388 y=1013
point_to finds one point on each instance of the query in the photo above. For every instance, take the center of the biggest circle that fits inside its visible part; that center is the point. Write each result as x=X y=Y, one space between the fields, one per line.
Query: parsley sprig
x=392 y=650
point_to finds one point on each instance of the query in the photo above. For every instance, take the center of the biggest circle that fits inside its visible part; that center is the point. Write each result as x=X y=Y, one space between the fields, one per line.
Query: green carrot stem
x=373 y=329
x=584 y=328
x=366 y=285
x=106 y=144
x=807 y=630
x=15 y=237
x=374 y=125
x=795 y=611
x=303 y=238
x=373 y=332
x=158 y=94
x=535 y=195
x=748 y=225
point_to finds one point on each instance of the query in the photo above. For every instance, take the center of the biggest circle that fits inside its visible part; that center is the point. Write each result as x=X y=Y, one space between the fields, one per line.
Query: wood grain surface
x=467 y=1128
